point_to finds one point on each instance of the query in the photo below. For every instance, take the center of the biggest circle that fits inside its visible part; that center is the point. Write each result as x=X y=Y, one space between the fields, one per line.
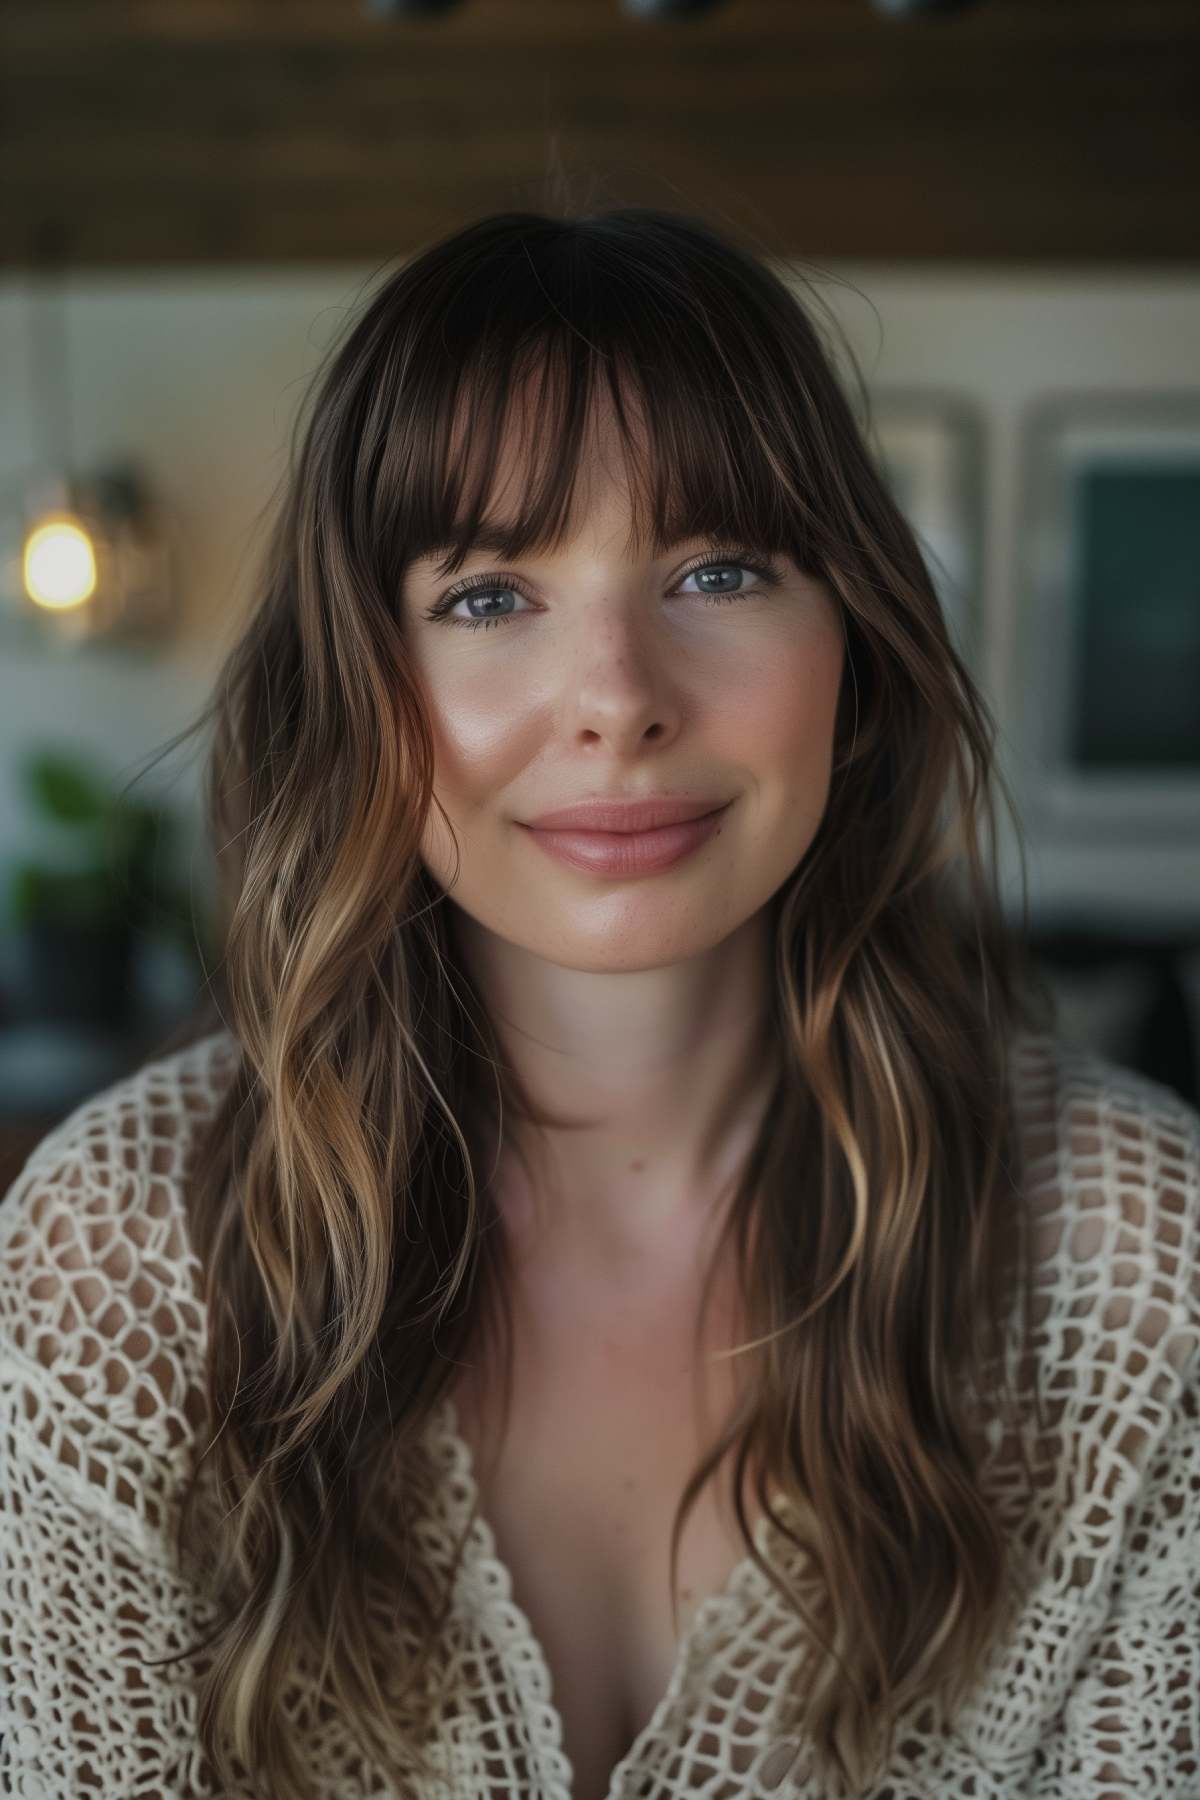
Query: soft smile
x=625 y=853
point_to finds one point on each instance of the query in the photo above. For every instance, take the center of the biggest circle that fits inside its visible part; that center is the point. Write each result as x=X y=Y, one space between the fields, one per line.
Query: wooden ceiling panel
x=228 y=131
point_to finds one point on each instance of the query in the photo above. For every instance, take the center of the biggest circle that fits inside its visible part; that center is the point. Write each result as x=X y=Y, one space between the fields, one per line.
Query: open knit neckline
x=515 y=1628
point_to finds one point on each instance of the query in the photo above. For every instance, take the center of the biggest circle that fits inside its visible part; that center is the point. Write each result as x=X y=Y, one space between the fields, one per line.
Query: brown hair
x=339 y=1202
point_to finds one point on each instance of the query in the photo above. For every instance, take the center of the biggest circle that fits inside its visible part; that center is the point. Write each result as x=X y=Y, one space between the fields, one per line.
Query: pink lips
x=629 y=852
x=600 y=814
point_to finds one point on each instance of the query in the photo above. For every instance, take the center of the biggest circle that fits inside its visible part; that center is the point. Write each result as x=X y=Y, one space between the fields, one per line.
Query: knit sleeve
x=98 y=1331
x=86 y=1600
x=1130 y=1723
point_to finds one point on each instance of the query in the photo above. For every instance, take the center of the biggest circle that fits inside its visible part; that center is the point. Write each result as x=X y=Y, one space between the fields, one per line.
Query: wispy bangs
x=713 y=437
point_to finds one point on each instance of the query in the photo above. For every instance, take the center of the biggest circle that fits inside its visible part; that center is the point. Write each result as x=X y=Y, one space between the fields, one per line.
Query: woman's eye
x=722 y=580
x=716 y=573
x=476 y=596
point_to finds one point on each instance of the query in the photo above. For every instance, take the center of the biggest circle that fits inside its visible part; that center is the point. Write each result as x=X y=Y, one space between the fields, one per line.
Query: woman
x=641 y=1310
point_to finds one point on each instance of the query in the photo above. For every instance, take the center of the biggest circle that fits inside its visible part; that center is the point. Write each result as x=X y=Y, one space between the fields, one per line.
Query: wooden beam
x=302 y=131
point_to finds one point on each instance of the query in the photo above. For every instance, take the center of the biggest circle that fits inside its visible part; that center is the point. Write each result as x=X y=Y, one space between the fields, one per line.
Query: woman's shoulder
x=1112 y=1181
x=1107 y=1537
x=102 y=1334
x=100 y=1292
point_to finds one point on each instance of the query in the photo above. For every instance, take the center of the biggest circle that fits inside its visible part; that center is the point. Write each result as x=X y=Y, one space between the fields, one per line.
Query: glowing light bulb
x=60 y=564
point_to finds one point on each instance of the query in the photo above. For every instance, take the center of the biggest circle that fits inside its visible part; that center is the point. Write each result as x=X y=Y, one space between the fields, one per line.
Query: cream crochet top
x=1094 y=1694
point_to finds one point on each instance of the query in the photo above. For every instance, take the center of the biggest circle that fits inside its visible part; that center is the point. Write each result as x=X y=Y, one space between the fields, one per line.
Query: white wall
x=199 y=376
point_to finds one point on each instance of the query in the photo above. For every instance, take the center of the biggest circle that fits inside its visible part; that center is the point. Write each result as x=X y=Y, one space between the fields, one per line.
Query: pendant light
x=84 y=554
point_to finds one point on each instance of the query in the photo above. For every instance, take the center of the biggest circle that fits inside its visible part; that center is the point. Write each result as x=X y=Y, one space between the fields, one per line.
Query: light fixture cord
x=49 y=369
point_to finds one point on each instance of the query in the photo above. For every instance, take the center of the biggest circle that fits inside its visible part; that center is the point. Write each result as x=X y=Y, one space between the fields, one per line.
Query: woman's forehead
x=501 y=538
x=604 y=500
x=544 y=488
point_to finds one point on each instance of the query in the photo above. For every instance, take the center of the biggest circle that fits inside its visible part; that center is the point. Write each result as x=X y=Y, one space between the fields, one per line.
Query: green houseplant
x=80 y=914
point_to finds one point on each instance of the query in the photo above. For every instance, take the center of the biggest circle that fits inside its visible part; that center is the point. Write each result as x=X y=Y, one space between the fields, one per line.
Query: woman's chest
x=581 y=1499
x=587 y=1549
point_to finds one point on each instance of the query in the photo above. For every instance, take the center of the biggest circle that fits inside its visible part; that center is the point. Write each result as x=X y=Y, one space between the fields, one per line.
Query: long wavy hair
x=339 y=1198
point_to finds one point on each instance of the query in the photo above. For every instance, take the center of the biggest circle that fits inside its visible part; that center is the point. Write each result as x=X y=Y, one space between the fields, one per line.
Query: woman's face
x=615 y=676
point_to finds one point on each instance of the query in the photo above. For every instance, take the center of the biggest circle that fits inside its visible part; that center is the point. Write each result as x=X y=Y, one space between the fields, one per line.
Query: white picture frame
x=930 y=446
x=1107 y=637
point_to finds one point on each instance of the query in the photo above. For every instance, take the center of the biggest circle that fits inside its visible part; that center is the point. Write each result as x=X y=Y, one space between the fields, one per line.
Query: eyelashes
x=768 y=573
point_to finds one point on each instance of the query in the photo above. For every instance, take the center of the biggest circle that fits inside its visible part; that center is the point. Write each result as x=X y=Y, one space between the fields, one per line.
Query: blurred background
x=996 y=202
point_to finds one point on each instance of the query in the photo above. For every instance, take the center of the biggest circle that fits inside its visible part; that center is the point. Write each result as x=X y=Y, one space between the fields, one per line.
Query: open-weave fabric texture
x=1092 y=1694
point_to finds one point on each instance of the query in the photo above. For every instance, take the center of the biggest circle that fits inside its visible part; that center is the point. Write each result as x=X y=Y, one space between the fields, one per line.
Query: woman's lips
x=628 y=852
x=613 y=814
